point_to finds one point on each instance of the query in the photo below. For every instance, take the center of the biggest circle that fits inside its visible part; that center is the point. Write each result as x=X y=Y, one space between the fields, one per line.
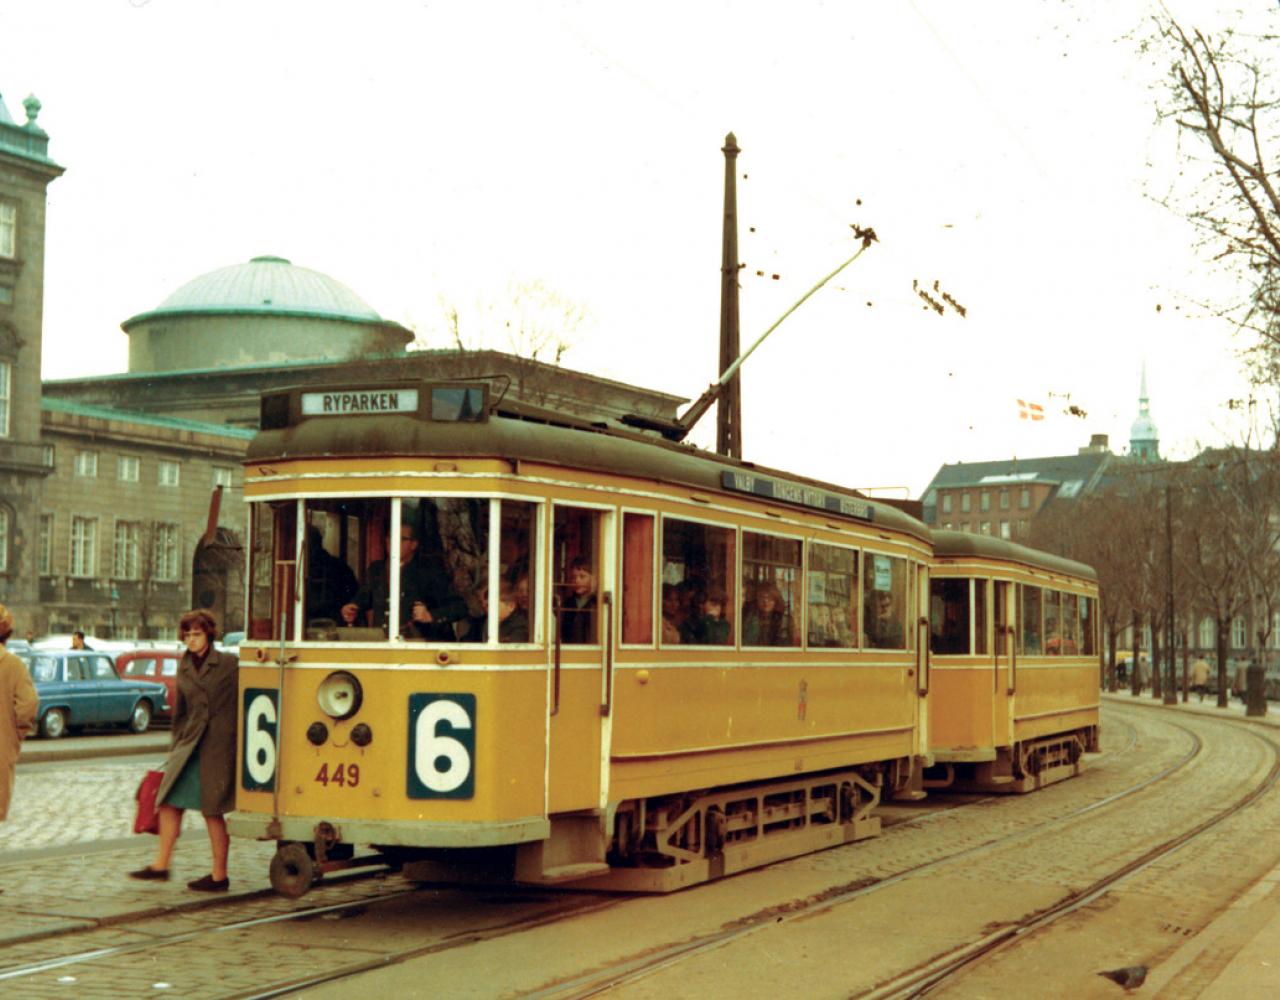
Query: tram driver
x=429 y=605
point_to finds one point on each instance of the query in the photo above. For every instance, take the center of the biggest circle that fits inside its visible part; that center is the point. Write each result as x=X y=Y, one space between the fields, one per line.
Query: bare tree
x=1225 y=104
x=530 y=320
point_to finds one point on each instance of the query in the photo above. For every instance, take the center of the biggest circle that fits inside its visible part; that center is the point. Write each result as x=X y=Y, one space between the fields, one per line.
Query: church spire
x=1144 y=440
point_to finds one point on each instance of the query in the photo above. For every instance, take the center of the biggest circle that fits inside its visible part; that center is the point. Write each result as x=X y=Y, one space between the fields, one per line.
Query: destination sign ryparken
x=805 y=496
x=345 y=402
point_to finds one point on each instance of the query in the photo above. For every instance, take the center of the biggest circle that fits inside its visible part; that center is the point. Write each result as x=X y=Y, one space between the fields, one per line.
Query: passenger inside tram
x=674 y=614
x=711 y=628
x=766 y=621
x=429 y=604
x=578 y=605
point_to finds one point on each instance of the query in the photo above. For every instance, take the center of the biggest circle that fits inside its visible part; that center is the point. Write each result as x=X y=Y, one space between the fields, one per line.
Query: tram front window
x=273 y=536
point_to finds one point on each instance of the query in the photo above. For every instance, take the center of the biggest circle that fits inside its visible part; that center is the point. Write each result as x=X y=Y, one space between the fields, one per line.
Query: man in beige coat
x=18 y=704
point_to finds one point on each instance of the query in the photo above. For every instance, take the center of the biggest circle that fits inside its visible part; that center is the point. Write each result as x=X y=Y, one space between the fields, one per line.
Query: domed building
x=266 y=311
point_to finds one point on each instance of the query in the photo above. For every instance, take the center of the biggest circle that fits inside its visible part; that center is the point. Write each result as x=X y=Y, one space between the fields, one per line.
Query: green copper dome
x=264 y=286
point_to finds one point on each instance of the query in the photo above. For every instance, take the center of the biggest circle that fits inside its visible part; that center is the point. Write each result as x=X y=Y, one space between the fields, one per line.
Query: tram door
x=1003 y=666
x=581 y=642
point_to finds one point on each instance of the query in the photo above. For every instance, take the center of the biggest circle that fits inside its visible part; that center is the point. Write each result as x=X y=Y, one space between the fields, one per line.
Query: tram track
x=594 y=984
x=583 y=904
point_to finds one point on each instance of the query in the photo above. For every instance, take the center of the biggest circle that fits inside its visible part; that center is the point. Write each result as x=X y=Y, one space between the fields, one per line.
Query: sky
x=490 y=157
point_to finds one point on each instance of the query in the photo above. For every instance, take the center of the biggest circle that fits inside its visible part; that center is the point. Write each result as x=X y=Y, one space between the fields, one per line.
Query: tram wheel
x=292 y=871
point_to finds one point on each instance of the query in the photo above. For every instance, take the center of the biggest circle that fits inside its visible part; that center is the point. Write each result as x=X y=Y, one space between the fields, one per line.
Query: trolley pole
x=729 y=410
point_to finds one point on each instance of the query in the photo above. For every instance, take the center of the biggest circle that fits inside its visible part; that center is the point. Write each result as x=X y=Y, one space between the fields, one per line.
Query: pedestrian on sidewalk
x=18 y=706
x=1200 y=676
x=200 y=770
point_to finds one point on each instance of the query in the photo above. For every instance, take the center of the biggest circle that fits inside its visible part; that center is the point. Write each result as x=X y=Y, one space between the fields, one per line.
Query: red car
x=159 y=665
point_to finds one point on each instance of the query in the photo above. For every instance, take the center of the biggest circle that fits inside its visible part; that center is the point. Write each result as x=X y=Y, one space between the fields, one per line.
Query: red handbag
x=147 y=819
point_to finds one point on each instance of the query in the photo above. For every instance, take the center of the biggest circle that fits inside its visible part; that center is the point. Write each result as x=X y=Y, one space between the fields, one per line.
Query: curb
x=43 y=756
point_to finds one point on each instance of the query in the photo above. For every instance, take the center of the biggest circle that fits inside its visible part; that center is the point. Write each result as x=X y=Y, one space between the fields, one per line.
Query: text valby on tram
x=489 y=641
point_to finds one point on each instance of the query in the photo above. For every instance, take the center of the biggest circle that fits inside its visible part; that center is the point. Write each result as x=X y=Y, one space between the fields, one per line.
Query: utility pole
x=1171 y=688
x=729 y=410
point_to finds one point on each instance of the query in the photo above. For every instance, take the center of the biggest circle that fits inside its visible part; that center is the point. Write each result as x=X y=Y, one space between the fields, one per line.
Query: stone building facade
x=25 y=174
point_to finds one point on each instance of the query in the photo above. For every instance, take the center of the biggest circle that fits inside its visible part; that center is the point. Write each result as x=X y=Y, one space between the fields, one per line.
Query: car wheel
x=54 y=724
x=140 y=721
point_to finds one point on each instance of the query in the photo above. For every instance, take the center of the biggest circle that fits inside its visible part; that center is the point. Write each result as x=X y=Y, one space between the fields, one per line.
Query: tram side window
x=1029 y=638
x=698 y=563
x=576 y=556
x=516 y=572
x=1070 y=625
x=1052 y=622
x=637 y=579
x=1087 y=626
x=949 y=616
x=980 y=617
x=833 y=596
x=771 y=590
x=884 y=584
x=273 y=528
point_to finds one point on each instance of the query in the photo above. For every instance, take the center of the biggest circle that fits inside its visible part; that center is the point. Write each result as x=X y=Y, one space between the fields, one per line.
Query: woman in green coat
x=200 y=770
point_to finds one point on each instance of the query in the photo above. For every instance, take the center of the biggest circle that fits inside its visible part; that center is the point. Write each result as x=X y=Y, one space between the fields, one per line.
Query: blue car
x=82 y=688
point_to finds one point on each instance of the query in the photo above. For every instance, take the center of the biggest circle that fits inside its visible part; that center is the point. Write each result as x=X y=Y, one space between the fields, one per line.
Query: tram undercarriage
x=667 y=843
x=1026 y=766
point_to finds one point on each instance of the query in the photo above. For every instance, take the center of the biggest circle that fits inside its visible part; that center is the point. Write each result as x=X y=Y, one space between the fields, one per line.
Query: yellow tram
x=1014 y=664
x=492 y=641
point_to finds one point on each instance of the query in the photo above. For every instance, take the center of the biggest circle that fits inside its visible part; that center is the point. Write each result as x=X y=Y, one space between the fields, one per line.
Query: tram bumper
x=395 y=833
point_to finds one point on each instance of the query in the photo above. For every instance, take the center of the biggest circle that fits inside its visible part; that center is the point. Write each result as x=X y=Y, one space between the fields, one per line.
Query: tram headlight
x=339 y=695
x=361 y=735
x=317 y=733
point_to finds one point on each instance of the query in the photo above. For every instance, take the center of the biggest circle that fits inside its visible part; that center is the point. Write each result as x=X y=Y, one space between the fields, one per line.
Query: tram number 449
x=442 y=746
x=344 y=775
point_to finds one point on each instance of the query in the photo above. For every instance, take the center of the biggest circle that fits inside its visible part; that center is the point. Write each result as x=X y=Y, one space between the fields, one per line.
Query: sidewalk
x=1243 y=943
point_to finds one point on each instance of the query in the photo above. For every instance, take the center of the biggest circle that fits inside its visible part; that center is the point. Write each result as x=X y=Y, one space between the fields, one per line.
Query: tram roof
x=518 y=431
x=962 y=544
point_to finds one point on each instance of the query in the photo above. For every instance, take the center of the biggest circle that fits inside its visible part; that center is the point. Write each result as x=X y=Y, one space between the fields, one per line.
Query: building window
x=4 y=540
x=126 y=565
x=1024 y=498
x=6 y=295
x=168 y=473
x=946 y=503
x=45 y=559
x=166 y=564
x=8 y=229
x=84 y=546
x=5 y=368
x=985 y=501
x=222 y=476
x=1022 y=528
x=965 y=505
x=127 y=468
x=1237 y=633
x=47 y=456
x=86 y=463
x=1004 y=530
x=985 y=527
x=1208 y=633
x=1004 y=499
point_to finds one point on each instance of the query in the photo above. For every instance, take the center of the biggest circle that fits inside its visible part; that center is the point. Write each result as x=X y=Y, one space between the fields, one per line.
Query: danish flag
x=1030 y=411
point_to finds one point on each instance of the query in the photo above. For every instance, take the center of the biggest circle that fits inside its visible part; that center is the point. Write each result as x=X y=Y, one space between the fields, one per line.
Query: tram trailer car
x=1014 y=664
x=605 y=661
